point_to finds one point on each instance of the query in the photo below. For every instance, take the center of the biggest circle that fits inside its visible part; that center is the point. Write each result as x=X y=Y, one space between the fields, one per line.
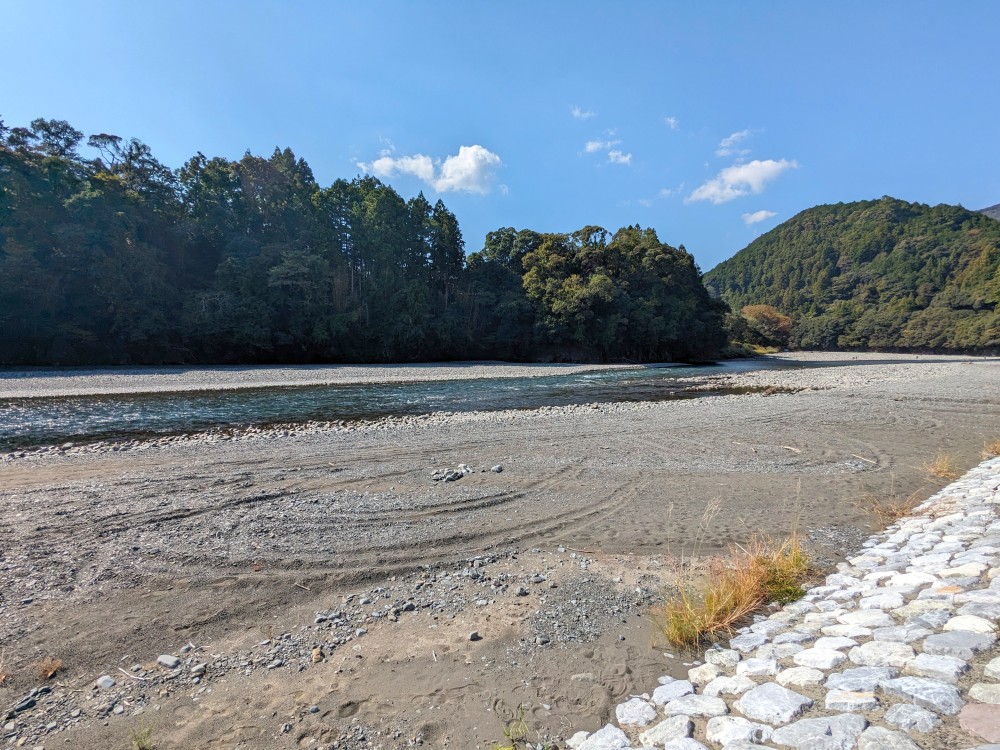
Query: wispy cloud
x=471 y=170
x=581 y=114
x=593 y=146
x=618 y=157
x=740 y=179
x=757 y=216
x=727 y=146
x=672 y=122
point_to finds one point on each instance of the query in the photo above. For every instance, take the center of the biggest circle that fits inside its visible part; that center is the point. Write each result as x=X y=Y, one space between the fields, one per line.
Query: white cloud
x=727 y=144
x=504 y=190
x=617 y=157
x=666 y=193
x=646 y=202
x=672 y=122
x=592 y=146
x=740 y=179
x=757 y=216
x=471 y=170
x=580 y=114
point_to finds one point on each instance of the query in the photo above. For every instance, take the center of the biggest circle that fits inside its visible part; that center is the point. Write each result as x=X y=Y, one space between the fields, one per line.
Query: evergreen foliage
x=117 y=259
x=882 y=274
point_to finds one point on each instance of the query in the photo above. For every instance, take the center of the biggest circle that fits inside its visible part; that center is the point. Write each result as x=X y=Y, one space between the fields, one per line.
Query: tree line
x=114 y=258
x=882 y=274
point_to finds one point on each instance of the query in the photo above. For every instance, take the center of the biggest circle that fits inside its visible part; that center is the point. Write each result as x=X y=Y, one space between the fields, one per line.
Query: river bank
x=305 y=536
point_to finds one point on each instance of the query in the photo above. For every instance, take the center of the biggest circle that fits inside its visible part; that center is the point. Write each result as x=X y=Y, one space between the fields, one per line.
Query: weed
x=942 y=467
x=753 y=575
x=885 y=511
x=141 y=737
x=48 y=667
x=991 y=449
x=515 y=732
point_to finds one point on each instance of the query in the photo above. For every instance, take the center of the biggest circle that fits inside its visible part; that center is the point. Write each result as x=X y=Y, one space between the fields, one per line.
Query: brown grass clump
x=885 y=511
x=991 y=449
x=752 y=576
x=942 y=467
x=4 y=674
x=48 y=667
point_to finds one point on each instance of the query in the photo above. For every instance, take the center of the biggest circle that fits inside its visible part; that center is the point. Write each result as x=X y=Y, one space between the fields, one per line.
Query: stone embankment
x=896 y=651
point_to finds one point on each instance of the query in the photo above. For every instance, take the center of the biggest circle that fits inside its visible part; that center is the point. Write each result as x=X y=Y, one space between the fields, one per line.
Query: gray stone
x=722 y=657
x=901 y=633
x=799 y=676
x=879 y=738
x=697 y=706
x=674 y=728
x=945 y=668
x=747 y=642
x=168 y=660
x=105 y=682
x=724 y=730
x=992 y=670
x=930 y=619
x=772 y=704
x=985 y=692
x=835 y=642
x=970 y=623
x=703 y=674
x=819 y=658
x=635 y=712
x=881 y=654
x=757 y=667
x=847 y=631
x=864 y=679
x=958 y=643
x=912 y=718
x=825 y=733
x=729 y=686
x=672 y=691
x=684 y=744
x=938 y=696
x=609 y=737
x=851 y=700
x=887 y=600
x=768 y=627
x=867 y=618
x=793 y=637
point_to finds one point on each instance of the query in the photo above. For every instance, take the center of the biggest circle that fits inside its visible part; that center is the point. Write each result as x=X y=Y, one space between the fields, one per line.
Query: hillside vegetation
x=882 y=274
x=108 y=256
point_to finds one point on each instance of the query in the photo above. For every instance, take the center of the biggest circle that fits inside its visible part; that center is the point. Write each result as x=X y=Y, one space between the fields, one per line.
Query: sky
x=710 y=122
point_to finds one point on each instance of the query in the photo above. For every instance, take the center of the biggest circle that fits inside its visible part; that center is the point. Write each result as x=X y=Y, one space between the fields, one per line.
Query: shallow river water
x=27 y=422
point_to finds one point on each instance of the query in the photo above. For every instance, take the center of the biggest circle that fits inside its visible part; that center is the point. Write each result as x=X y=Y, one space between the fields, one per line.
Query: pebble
x=168 y=660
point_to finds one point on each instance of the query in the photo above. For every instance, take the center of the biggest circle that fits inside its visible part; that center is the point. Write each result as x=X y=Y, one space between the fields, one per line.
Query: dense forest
x=114 y=258
x=882 y=274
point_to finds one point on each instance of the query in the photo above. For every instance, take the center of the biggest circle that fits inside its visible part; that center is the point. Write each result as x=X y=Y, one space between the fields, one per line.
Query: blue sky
x=711 y=122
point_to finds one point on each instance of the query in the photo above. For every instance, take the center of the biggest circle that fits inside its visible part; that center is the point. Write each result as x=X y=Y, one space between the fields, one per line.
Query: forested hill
x=113 y=258
x=993 y=211
x=882 y=274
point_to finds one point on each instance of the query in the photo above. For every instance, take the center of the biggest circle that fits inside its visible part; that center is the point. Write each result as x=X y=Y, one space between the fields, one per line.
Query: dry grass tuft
x=48 y=667
x=942 y=467
x=141 y=737
x=885 y=511
x=991 y=449
x=4 y=674
x=752 y=576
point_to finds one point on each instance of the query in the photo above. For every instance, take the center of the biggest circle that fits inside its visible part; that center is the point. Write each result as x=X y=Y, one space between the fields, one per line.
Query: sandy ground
x=109 y=559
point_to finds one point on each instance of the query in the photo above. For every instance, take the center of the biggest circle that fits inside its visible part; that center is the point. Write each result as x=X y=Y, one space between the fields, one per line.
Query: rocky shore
x=897 y=650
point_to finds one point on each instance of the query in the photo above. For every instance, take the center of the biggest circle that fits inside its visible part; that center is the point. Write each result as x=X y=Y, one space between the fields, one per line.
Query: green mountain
x=882 y=274
x=993 y=211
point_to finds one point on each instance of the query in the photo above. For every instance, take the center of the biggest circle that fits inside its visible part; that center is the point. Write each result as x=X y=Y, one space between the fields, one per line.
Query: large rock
x=674 y=728
x=635 y=712
x=799 y=676
x=851 y=700
x=912 y=718
x=958 y=643
x=724 y=730
x=865 y=679
x=945 y=668
x=882 y=654
x=826 y=733
x=671 y=691
x=771 y=703
x=879 y=738
x=981 y=721
x=938 y=696
x=608 y=738
x=697 y=705
x=684 y=744
x=867 y=618
x=985 y=692
x=970 y=623
x=729 y=686
x=725 y=658
x=757 y=667
x=819 y=658
x=747 y=642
